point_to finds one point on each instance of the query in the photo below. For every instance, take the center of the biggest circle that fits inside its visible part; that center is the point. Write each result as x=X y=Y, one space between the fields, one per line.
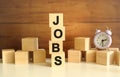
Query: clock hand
x=103 y=41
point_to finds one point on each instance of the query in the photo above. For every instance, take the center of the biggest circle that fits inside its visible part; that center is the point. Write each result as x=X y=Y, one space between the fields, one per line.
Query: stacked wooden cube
x=21 y=57
x=90 y=55
x=83 y=44
x=116 y=59
x=30 y=52
x=30 y=43
x=104 y=57
x=74 y=56
x=29 y=46
x=8 y=56
x=108 y=56
x=57 y=38
x=81 y=50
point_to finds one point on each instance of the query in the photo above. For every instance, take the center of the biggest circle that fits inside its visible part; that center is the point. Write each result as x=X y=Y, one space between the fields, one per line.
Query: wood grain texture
x=27 y=18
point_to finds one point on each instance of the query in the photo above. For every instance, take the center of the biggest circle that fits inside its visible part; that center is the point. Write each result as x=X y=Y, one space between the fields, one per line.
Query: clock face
x=102 y=40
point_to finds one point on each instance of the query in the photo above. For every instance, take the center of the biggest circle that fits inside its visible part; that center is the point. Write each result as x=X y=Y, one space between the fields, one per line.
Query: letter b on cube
x=55 y=46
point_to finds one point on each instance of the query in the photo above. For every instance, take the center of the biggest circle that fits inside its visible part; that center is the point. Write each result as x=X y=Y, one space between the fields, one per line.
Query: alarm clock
x=103 y=40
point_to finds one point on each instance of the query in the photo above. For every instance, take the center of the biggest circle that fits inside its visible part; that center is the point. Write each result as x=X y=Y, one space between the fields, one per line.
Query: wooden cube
x=58 y=59
x=55 y=46
x=91 y=55
x=104 y=57
x=58 y=33
x=8 y=55
x=21 y=57
x=82 y=43
x=55 y=19
x=74 y=56
x=117 y=54
x=30 y=43
x=39 y=56
x=113 y=49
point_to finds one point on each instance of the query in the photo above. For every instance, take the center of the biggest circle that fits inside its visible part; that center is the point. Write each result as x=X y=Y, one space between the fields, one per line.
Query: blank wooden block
x=82 y=43
x=8 y=55
x=74 y=56
x=117 y=54
x=91 y=55
x=58 y=33
x=55 y=19
x=56 y=46
x=39 y=56
x=58 y=59
x=30 y=43
x=21 y=57
x=113 y=49
x=104 y=57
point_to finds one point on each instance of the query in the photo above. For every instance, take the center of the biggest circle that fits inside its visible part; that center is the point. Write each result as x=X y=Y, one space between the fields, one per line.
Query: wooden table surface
x=70 y=70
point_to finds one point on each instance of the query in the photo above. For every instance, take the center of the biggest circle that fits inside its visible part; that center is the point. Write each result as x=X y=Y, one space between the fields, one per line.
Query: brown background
x=21 y=18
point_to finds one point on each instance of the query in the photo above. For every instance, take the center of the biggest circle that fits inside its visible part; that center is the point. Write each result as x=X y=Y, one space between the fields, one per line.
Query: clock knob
x=109 y=32
x=97 y=31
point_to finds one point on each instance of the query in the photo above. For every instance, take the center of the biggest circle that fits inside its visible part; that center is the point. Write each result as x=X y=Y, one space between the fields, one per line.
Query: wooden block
x=55 y=46
x=8 y=55
x=39 y=56
x=117 y=54
x=30 y=43
x=104 y=57
x=74 y=56
x=21 y=57
x=91 y=55
x=58 y=33
x=113 y=49
x=82 y=43
x=58 y=59
x=55 y=19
